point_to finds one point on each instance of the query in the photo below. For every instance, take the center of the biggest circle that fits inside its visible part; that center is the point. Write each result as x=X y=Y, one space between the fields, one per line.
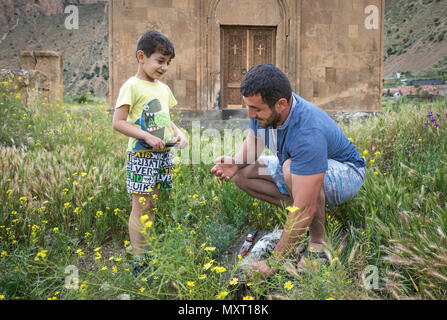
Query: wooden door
x=242 y=48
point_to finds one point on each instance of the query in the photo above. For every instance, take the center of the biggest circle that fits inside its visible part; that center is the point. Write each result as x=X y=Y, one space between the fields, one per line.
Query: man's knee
x=240 y=177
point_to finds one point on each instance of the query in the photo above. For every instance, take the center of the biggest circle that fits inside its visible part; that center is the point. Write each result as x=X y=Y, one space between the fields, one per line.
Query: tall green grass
x=64 y=211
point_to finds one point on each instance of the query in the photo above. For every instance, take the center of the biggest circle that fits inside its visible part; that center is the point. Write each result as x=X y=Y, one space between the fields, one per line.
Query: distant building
x=428 y=82
x=332 y=51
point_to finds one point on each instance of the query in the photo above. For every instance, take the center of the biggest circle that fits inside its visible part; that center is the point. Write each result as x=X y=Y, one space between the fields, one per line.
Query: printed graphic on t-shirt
x=152 y=120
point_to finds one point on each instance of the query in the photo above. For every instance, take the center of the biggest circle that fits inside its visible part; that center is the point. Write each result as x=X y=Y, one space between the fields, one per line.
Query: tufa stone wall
x=29 y=84
x=50 y=64
x=327 y=48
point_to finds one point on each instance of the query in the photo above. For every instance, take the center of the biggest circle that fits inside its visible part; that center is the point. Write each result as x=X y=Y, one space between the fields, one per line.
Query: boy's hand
x=155 y=142
x=181 y=139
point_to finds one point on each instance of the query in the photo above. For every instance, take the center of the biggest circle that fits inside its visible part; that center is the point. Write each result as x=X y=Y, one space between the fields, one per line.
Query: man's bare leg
x=261 y=186
x=317 y=232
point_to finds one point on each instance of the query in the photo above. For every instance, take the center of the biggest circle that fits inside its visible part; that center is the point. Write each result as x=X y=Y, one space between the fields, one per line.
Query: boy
x=142 y=114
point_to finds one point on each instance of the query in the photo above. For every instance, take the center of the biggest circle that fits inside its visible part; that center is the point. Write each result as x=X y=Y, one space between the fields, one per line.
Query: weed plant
x=64 y=213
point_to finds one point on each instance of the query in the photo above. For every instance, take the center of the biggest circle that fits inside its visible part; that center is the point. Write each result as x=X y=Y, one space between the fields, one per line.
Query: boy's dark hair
x=154 y=41
x=267 y=80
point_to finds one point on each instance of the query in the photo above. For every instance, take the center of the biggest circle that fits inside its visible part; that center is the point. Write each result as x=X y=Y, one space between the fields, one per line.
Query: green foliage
x=64 y=205
x=16 y=117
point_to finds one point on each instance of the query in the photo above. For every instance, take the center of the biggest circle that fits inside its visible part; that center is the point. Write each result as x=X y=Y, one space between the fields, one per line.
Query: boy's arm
x=120 y=124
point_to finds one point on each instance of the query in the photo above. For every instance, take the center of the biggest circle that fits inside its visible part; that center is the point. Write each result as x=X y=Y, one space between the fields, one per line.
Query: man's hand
x=225 y=168
x=263 y=268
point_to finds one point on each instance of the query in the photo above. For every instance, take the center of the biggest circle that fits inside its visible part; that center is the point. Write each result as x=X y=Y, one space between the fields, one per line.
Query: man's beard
x=273 y=120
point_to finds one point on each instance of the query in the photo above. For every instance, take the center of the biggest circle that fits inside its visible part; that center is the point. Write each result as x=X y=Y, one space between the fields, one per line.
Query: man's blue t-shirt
x=309 y=137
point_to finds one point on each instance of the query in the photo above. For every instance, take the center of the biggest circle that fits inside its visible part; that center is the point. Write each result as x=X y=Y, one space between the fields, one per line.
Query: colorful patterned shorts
x=148 y=170
x=342 y=181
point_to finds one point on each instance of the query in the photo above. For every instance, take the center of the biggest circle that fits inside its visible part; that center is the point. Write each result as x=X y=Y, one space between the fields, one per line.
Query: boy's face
x=154 y=67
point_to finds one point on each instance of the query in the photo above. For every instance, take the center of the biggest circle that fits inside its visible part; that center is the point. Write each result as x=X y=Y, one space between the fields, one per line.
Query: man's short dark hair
x=267 y=80
x=154 y=41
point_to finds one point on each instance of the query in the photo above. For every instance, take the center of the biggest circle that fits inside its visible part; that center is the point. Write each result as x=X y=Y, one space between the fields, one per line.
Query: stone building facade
x=331 y=50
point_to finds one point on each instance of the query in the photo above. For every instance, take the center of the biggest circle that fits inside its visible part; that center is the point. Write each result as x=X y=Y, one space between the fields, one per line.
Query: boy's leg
x=142 y=204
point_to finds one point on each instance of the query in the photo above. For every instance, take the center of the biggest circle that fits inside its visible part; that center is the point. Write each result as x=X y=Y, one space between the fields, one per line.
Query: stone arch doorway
x=279 y=16
x=242 y=48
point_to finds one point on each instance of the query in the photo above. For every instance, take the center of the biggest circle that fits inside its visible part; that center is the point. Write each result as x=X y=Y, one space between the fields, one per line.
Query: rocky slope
x=415 y=34
x=415 y=37
x=41 y=26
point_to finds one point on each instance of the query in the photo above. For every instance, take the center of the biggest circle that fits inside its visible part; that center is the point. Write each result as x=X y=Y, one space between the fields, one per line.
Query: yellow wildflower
x=292 y=209
x=222 y=295
x=210 y=248
x=234 y=281
x=190 y=283
x=208 y=265
x=220 y=269
x=248 y=298
x=41 y=255
x=148 y=224
x=144 y=218
x=288 y=285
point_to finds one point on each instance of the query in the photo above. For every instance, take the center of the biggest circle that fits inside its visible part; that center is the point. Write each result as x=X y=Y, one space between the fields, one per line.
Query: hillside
x=85 y=50
x=415 y=38
x=415 y=34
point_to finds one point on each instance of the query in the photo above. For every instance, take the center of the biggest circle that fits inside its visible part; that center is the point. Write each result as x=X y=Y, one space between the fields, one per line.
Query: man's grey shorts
x=342 y=180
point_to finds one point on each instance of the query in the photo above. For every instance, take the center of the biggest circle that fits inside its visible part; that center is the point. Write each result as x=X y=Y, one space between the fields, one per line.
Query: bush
x=16 y=117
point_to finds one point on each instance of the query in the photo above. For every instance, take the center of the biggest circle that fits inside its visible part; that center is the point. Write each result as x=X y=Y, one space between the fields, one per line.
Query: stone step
x=224 y=114
x=215 y=119
x=213 y=124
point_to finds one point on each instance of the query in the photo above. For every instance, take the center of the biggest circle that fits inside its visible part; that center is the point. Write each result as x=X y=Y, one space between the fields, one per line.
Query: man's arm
x=306 y=192
x=250 y=150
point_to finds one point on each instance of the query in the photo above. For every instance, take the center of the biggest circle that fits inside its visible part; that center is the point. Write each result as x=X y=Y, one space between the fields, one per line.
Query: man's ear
x=281 y=105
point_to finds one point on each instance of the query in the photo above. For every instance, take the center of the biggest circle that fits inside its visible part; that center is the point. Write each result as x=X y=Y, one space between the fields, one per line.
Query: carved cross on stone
x=260 y=48
x=235 y=49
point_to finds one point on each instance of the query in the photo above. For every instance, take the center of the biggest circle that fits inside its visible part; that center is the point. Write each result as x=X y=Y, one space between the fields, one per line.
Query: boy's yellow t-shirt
x=149 y=109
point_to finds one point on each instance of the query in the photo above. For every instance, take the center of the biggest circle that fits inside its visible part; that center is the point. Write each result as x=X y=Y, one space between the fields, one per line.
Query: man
x=314 y=162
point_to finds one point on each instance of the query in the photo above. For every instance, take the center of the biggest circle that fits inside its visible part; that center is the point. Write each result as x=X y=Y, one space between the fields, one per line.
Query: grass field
x=64 y=212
